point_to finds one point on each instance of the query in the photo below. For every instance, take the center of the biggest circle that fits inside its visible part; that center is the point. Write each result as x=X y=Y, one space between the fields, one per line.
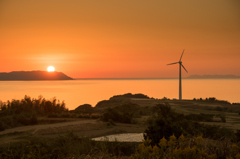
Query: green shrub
x=163 y=128
x=123 y=114
x=110 y=123
x=96 y=116
x=183 y=148
x=39 y=106
x=67 y=146
x=2 y=127
x=166 y=122
x=237 y=134
x=200 y=117
x=25 y=119
x=53 y=115
x=222 y=117
x=114 y=115
x=24 y=112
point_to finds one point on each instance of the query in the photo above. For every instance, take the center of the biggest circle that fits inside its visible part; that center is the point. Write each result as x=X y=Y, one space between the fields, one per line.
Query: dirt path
x=81 y=127
x=36 y=128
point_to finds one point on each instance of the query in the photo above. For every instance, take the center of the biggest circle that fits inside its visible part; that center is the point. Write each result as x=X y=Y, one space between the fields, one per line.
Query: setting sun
x=50 y=69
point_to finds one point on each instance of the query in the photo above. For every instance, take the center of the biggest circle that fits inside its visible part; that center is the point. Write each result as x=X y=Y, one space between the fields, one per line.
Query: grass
x=67 y=146
x=197 y=107
x=6 y=139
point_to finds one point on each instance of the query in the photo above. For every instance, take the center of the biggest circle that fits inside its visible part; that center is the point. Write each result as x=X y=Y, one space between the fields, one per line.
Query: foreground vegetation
x=67 y=146
x=166 y=122
x=165 y=137
x=175 y=129
x=72 y=146
x=185 y=148
x=25 y=112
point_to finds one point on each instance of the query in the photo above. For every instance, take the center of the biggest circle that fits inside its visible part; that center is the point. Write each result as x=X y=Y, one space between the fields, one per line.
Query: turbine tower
x=180 y=76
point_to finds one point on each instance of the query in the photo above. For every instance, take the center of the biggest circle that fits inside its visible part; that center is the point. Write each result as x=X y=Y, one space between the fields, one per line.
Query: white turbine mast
x=180 y=76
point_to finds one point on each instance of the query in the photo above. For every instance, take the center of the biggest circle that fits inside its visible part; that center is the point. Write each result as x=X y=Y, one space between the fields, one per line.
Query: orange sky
x=120 y=38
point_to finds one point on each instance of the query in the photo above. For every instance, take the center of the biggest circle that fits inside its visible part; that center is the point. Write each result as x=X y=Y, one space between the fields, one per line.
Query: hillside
x=33 y=75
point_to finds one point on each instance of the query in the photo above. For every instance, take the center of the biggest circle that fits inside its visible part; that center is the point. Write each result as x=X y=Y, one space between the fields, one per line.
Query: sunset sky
x=120 y=38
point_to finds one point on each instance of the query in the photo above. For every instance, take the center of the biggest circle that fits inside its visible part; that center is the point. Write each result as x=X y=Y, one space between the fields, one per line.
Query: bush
x=219 y=108
x=205 y=117
x=237 y=135
x=122 y=114
x=25 y=119
x=24 y=112
x=39 y=106
x=67 y=146
x=222 y=117
x=112 y=114
x=162 y=128
x=167 y=122
x=2 y=127
x=200 y=117
x=183 y=148
x=110 y=123
x=163 y=125
x=212 y=99
x=95 y=116
x=53 y=115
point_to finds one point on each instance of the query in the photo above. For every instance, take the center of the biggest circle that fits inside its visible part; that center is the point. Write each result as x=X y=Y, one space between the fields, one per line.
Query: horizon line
x=147 y=78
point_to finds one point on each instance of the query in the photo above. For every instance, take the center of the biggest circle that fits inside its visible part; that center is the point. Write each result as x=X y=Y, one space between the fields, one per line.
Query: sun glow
x=50 y=69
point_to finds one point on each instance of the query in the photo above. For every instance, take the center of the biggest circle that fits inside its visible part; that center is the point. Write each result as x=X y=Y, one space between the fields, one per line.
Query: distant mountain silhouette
x=212 y=76
x=33 y=76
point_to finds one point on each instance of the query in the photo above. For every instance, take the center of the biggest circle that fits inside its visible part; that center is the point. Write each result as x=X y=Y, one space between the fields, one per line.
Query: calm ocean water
x=77 y=92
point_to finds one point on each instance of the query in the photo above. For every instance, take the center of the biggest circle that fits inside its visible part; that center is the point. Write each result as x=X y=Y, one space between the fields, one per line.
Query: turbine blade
x=181 y=55
x=184 y=68
x=173 y=63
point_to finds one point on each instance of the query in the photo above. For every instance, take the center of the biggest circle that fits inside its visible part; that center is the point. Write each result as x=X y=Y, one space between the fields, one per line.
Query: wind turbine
x=180 y=76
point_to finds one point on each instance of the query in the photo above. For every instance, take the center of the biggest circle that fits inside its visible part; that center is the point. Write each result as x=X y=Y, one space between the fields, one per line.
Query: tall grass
x=184 y=148
x=68 y=146
x=25 y=112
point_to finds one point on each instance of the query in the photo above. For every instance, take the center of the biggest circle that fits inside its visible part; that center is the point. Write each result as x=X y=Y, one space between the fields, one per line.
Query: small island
x=33 y=76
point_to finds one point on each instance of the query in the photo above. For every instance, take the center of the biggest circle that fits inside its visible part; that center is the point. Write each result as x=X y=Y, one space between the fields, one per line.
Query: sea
x=91 y=91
